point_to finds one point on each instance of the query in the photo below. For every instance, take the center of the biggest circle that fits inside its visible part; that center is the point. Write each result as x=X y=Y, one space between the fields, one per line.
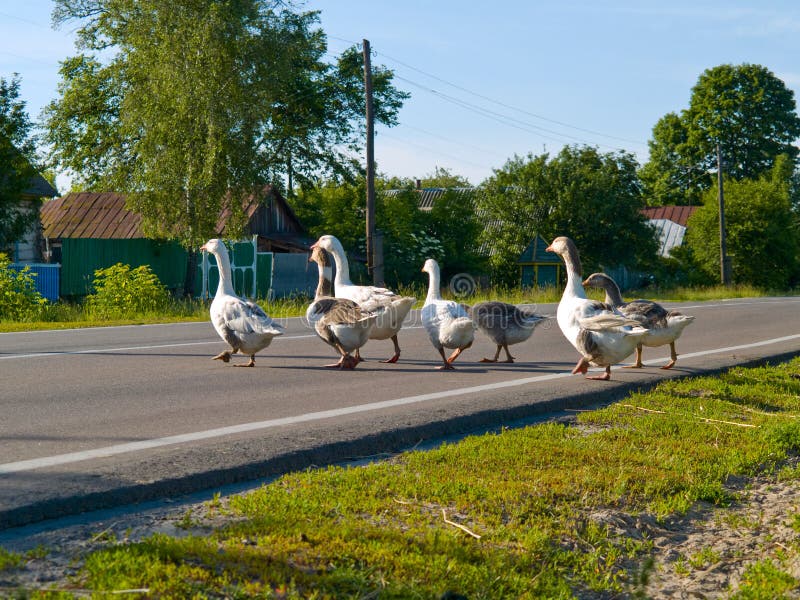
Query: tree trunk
x=191 y=272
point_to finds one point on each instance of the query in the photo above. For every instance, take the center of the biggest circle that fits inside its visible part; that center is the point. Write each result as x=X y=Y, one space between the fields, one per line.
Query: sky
x=492 y=80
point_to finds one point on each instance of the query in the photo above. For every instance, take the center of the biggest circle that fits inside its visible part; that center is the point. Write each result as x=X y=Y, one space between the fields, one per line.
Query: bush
x=123 y=292
x=19 y=300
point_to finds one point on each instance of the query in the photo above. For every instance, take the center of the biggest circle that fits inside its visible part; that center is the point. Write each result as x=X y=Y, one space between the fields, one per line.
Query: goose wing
x=247 y=317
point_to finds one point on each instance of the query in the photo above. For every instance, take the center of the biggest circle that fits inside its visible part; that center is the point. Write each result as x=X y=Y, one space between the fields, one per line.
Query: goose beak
x=549 y=249
x=314 y=245
x=203 y=247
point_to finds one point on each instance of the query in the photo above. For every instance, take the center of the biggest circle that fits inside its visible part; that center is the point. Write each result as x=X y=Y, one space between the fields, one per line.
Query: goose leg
x=496 y=355
x=581 y=367
x=509 y=358
x=345 y=362
x=252 y=362
x=456 y=352
x=357 y=357
x=673 y=355
x=396 y=356
x=223 y=356
x=446 y=366
x=638 y=364
x=604 y=377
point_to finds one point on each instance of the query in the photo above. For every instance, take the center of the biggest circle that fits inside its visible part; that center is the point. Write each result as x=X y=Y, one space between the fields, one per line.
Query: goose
x=504 y=324
x=369 y=298
x=665 y=327
x=339 y=322
x=602 y=335
x=447 y=322
x=240 y=323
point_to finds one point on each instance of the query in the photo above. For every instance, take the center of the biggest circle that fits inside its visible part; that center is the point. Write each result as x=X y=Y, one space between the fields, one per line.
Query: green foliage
x=745 y=109
x=447 y=233
x=19 y=300
x=590 y=197
x=122 y=291
x=762 y=240
x=765 y=580
x=190 y=107
x=9 y=560
x=17 y=156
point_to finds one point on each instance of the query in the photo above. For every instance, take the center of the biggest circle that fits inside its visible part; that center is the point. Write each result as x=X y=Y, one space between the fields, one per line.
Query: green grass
x=536 y=496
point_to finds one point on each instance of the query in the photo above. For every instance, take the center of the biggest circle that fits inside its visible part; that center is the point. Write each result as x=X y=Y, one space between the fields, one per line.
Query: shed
x=670 y=223
x=87 y=231
x=537 y=266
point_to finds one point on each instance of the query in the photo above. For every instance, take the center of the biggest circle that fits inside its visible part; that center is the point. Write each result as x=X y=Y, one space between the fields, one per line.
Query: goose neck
x=225 y=285
x=433 y=285
x=342 y=266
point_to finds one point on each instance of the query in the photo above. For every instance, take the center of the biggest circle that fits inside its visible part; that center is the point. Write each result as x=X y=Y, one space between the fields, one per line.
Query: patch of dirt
x=699 y=556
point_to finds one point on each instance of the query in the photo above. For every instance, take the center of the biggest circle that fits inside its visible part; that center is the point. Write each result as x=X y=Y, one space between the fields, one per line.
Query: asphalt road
x=93 y=418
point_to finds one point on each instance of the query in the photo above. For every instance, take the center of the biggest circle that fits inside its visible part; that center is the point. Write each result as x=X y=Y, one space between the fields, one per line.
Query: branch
x=461 y=527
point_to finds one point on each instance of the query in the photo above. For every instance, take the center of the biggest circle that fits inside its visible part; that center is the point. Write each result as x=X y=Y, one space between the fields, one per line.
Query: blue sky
x=490 y=80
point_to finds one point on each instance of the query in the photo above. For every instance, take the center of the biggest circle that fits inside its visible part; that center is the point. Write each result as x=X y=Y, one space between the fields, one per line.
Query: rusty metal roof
x=676 y=214
x=104 y=216
x=90 y=215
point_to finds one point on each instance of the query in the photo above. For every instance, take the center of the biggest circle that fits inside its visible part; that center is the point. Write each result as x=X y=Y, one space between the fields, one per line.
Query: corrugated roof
x=104 y=216
x=670 y=234
x=676 y=214
x=90 y=215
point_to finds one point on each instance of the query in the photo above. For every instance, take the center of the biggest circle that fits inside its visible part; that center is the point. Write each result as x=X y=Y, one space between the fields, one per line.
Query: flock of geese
x=345 y=316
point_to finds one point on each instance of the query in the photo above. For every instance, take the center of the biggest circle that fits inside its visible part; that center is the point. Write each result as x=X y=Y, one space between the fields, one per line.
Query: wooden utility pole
x=724 y=270
x=370 y=162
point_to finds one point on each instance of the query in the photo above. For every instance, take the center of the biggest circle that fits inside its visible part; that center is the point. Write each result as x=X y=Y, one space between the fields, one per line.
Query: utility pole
x=724 y=269
x=370 y=162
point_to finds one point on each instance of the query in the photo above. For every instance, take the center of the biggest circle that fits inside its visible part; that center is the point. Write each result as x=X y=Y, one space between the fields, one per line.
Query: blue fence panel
x=46 y=278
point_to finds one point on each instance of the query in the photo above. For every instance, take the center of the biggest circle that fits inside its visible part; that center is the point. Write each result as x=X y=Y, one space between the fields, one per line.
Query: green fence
x=80 y=258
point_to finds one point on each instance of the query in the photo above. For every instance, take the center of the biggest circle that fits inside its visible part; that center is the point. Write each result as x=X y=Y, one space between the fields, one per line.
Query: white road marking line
x=61 y=459
x=152 y=347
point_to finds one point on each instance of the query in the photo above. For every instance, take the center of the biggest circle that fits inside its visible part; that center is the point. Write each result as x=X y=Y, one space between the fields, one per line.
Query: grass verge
x=524 y=513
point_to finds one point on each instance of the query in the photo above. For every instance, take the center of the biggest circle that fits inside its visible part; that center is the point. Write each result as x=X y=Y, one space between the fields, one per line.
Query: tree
x=762 y=239
x=745 y=109
x=199 y=104
x=17 y=160
x=593 y=198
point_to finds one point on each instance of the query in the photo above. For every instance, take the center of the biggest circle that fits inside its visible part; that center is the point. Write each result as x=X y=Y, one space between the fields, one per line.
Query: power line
x=503 y=104
x=502 y=118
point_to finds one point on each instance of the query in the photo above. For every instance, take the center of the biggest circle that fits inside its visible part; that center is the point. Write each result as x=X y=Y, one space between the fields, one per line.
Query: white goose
x=664 y=327
x=369 y=298
x=602 y=335
x=240 y=323
x=339 y=322
x=447 y=322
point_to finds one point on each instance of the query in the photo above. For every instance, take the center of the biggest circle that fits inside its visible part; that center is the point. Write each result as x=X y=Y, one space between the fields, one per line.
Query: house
x=538 y=267
x=26 y=249
x=86 y=231
x=670 y=224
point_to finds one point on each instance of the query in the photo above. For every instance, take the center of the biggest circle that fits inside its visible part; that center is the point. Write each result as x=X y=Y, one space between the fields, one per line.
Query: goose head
x=598 y=280
x=328 y=243
x=215 y=246
x=318 y=256
x=430 y=266
x=566 y=249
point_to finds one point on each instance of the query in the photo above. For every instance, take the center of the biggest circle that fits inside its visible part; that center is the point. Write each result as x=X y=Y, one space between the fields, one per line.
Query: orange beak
x=549 y=249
